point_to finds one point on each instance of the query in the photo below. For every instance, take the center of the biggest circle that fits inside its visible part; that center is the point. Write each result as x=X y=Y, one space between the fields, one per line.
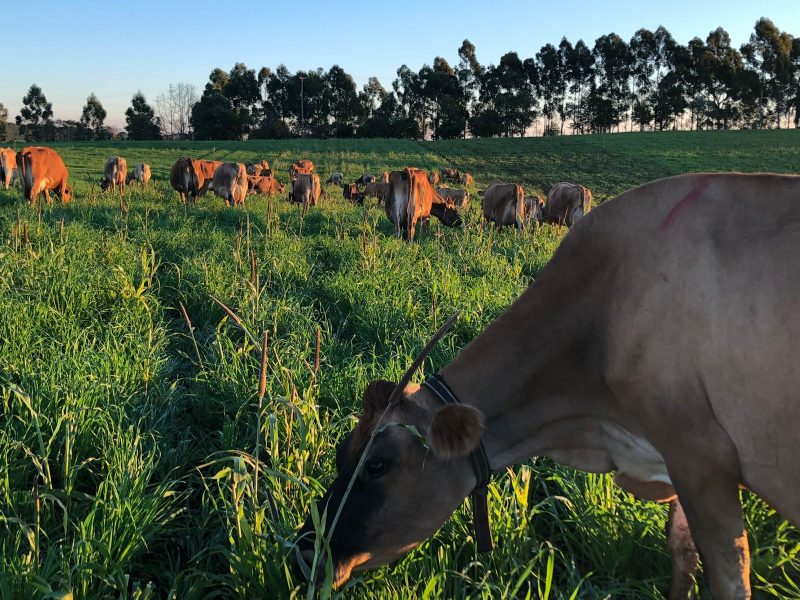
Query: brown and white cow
x=141 y=175
x=459 y=197
x=230 y=183
x=642 y=348
x=41 y=170
x=114 y=174
x=336 y=178
x=504 y=204
x=302 y=166
x=8 y=167
x=412 y=199
x=264 y=185
x=306 y=190
x=450 y=173
x=377 y=189
x=566 y=203
x=466 y=179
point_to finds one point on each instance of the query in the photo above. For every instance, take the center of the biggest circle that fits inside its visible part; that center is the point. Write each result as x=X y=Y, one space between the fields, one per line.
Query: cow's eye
x=376 y=468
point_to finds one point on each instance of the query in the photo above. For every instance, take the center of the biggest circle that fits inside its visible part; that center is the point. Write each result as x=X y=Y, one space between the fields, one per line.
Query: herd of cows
x=409 y=196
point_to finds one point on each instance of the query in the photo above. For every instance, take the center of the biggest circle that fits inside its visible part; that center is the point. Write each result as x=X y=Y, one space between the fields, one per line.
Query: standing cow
x=504 y=204
x=566 y=203
x=41 y=170
x=141 y=175
x=411 y=199
x=459 y=197
x=114 y=174
x=306 y=190
x=336 y=178
x=230 y=183
x=8 y=167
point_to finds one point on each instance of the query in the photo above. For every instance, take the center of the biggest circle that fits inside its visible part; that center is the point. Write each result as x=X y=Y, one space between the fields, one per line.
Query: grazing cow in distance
x=365 y=179
x=264 y=185
x=41 y=170
x=534 y=205
x=434 y=178
x=185 y=179
x=450 y=173
x=377 y=189
x=641 y=299
x=230 y=183
x=504 y=204
x=303 y=166
x=466 y=179
x=8 y=167
x=459 y=197
x=412 y=199
x=350 y=192
x=336 y=178
x=566 y=203
x=306 y=190
x=385 y=177
x=114 y=174
x=141 y=175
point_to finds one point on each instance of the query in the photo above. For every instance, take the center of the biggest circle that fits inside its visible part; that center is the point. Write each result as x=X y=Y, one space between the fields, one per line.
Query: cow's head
x=446 y=212
x=406 y=483
x=66 y=195
x=105 y=183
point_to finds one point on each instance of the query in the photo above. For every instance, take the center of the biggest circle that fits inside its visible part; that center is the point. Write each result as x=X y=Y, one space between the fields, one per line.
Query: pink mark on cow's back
x=684 y=202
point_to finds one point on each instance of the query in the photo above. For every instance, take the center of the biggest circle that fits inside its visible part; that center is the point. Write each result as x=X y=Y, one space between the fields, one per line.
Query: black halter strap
x=480 y=464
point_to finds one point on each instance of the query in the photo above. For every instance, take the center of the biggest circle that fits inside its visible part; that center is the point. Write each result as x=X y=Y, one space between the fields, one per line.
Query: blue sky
x=114 y=49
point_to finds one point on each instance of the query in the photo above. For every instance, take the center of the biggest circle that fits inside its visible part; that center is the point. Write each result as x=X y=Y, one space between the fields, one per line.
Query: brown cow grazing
x=114 y=174
x=466 y=179
x=459 y=197
x=566 y=203
x=365 y=179
x=8 y=167
x=376 y=189
x=264 y=185
x=350 y=192
x=141 y=175
x=412 y=198
x=624 y=356
x=385 y=177
x=449 y=173
x=185 y=179
x=305 y=190
x=336 y=178
x=434 y=178
x=206 y=169
x=534 y=205
x=303 y=166
x=42 y=170
x=230 y=183
x=504 y=204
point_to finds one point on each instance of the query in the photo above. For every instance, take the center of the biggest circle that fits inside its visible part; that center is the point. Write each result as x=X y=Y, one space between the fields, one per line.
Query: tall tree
x=580 y=74
x=93 y=117
x=507 y=91
x=142 y=123
x=552 y=82
x=213 y=118
x=769 y=53
x=610 y=94
x=3 y=122
x=35 y=116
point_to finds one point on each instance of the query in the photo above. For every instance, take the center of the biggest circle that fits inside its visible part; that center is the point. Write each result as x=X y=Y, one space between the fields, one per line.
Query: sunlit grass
x=127 y=440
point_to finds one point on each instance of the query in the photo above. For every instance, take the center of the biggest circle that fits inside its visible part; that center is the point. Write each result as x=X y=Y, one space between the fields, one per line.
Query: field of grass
x=128 y=439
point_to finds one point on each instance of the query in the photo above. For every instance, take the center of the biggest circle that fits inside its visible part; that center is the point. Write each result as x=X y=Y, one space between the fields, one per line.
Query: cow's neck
x=532 y=371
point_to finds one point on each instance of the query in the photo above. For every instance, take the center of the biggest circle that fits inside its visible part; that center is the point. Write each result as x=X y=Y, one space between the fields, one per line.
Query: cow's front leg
x=709 y=494
x=683 y=552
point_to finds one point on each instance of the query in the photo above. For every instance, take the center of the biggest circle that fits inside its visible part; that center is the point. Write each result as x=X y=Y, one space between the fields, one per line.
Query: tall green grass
x=128 y=436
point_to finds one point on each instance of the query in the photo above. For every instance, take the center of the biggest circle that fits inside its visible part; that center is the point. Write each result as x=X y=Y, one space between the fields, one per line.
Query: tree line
x=650 y=82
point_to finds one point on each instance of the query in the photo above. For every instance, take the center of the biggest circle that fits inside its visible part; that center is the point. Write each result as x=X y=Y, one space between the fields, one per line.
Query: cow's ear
x=376 y=396
x=455 y=431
